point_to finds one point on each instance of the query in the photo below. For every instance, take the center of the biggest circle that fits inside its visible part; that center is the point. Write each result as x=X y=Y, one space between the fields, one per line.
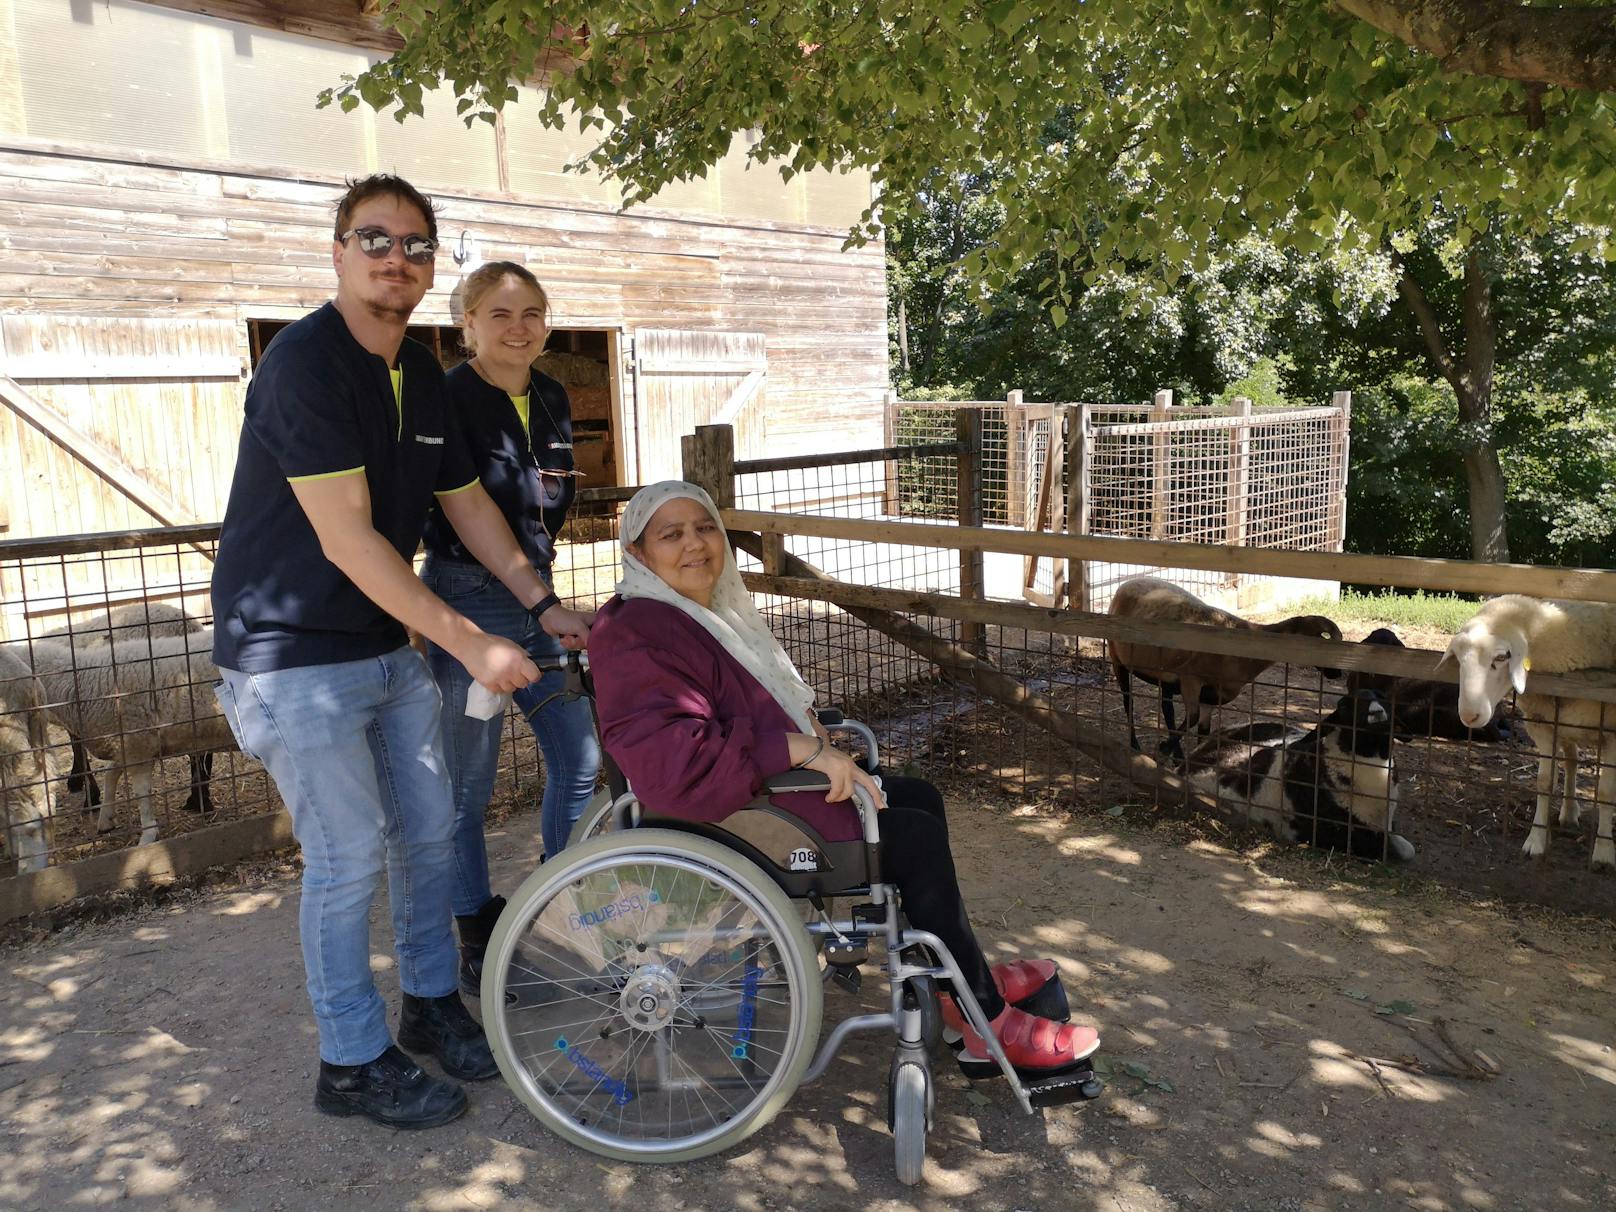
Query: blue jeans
x=565 y=731
x=355 y=750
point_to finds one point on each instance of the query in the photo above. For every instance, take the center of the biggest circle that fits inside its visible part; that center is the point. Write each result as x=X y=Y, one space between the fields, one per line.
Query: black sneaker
x=392 y=1090
x=443 y=1027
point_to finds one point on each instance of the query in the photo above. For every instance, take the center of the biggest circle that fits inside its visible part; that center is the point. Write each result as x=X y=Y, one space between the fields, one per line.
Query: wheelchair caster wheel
x=921 y=993
x=909 y=1115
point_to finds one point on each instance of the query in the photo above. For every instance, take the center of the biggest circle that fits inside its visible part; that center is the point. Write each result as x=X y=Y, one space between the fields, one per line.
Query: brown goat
x=1204 y=679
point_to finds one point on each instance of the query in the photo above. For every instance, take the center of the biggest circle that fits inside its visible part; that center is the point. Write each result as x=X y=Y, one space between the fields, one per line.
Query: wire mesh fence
x=1338 y=763
x=108 y=645
x=1027 y=704
x=1224 y=474
x=1274 y=479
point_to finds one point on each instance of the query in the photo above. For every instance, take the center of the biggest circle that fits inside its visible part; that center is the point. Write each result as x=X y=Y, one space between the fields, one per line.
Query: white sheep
x=137 y=620
x=1495 y=649
x=133 y=702
x=25 y=801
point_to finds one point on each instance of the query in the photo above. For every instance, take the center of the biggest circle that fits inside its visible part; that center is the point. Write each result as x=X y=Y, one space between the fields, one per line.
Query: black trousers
x=915 y=856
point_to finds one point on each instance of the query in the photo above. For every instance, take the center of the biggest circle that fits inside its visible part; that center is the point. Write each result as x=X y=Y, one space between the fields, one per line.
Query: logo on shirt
x=421 y=437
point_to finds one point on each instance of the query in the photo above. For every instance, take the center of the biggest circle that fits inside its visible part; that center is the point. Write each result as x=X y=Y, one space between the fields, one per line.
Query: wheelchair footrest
x=1076 y=1085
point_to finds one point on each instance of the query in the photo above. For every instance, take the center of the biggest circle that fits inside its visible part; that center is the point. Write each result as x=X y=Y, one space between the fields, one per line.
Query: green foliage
x=1152 y=131
x=1146 y=194
x=1391 y=608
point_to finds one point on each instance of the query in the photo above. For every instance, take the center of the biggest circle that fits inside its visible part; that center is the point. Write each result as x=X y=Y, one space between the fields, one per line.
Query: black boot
x=392 y=1090
x=475 y=931
x=443 y=1027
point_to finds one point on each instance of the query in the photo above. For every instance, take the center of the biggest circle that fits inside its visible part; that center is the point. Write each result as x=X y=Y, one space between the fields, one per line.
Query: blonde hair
x=484 y=279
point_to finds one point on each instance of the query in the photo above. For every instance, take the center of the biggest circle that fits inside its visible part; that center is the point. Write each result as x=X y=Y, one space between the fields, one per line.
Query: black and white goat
x=1333 y=785
x=1420 y=707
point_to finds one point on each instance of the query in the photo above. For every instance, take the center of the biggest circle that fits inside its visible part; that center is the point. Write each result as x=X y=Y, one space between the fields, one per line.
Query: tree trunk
x=1489 y=538
x=1470 y=374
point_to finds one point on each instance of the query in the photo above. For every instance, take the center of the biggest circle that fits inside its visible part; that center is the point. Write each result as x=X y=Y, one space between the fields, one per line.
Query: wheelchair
x=655 y=992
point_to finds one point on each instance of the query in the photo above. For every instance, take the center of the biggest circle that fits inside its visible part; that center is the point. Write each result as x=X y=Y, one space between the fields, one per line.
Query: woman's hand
x=568 y=626
x=842 y=771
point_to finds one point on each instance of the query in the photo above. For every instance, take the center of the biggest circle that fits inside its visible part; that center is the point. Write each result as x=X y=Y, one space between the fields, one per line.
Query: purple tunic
x=694 y=732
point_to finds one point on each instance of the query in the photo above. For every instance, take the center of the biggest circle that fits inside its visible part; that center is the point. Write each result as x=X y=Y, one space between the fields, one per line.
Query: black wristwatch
x=543 y=604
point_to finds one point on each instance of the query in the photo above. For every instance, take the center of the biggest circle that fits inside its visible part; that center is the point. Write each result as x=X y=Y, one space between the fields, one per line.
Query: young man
x=346 y=441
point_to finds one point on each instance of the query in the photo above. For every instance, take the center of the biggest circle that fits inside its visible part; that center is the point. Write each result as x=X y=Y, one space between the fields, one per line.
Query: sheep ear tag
x=1518 y=671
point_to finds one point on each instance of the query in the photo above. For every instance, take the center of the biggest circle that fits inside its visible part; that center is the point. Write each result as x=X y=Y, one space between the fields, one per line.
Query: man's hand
x=568 y=626
x=497 y=664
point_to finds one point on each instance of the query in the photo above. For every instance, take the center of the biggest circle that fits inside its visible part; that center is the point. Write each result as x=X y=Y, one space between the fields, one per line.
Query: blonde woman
x=517 y=425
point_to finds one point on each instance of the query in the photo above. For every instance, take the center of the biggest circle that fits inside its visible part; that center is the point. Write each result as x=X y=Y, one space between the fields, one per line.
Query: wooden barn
x=166 y=189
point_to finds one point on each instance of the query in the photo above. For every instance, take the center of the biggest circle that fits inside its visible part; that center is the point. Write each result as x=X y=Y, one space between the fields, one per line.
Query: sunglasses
x=376 y=243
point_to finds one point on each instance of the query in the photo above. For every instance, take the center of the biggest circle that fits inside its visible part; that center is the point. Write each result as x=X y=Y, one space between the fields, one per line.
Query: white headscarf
x=732 y=619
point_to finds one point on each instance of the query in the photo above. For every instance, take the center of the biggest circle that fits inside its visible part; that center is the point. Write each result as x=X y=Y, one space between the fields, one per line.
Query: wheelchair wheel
x=908 y=1093
x=595 y=820
x=654 y=996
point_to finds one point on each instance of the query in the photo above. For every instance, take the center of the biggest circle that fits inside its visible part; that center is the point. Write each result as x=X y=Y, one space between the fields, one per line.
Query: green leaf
x=1397 y=1007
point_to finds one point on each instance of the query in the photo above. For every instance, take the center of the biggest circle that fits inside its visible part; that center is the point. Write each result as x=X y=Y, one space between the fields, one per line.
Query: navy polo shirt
x=512 y=462
x=321 y=405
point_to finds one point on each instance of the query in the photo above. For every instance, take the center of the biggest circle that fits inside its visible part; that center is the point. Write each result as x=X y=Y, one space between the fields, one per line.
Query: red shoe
x=1035 y=1047
x=1030 y=985
x=1019 y=979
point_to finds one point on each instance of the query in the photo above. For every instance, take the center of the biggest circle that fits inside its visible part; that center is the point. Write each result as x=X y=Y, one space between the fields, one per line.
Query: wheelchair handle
x=567 y=660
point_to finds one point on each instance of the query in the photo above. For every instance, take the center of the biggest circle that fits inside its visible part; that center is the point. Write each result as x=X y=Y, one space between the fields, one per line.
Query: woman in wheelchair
x=699 y=704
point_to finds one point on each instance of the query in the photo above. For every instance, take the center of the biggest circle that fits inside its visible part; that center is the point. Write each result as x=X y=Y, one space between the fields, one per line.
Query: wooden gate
x=683 y=379
x=112 y=424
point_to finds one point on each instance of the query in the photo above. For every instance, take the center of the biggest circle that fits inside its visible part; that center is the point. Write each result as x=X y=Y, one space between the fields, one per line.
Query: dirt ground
x=161 y=1054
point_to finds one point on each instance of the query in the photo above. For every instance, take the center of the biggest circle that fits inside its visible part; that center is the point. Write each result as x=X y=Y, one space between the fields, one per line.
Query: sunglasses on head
x=376 y=243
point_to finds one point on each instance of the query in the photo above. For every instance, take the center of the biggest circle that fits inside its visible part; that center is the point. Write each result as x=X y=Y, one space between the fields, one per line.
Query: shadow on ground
x=165 y=1059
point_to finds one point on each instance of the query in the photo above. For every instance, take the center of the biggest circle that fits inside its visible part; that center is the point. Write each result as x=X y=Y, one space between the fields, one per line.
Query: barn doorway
x=581 y=359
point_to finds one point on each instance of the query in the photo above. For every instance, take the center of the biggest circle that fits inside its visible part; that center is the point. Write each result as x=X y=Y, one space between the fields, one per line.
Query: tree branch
x=1430 y=327
x=1571 y=46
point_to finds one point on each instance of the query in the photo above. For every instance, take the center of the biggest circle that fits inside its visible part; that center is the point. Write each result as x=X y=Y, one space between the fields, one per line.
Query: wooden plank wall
x=685 y=380
x=104 y=236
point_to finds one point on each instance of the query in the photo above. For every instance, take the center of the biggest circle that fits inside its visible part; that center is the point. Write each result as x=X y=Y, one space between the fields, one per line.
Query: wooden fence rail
x=1457 y=576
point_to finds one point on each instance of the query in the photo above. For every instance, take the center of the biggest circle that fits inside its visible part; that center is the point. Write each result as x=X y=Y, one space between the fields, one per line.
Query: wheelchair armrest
x=812 y=780
x=795 y=780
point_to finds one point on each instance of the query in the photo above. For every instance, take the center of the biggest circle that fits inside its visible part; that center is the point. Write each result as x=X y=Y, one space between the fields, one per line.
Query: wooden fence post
x=708 y=456
x=1015 y=461
x=889 y=439
x=1239 y=477
x=1338 y=529
x=1160 y=489
x=972 y=570
x=1079 y=457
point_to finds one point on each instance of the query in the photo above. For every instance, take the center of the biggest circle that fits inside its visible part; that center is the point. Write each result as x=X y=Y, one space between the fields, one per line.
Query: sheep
x=1333 y=785
x=1204 y=679
x=132 y=702
x=1495 y=649
x=127 y=622
x=1420 y=707
x=25 y=801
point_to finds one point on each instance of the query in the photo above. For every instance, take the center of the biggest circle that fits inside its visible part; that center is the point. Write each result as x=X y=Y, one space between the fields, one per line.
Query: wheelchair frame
x=647 y=997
